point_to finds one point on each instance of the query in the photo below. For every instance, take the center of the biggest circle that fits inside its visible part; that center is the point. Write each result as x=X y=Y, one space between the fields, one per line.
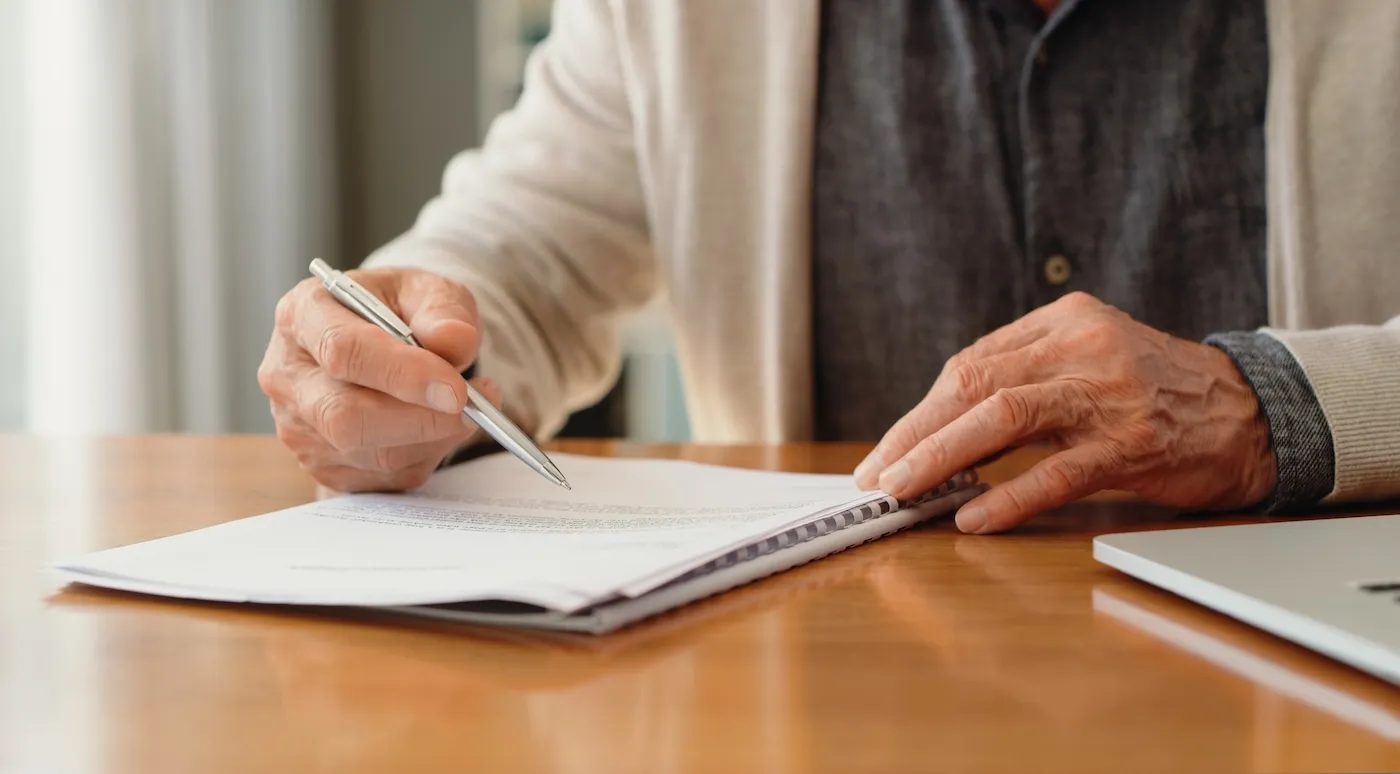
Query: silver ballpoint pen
x=489 y=418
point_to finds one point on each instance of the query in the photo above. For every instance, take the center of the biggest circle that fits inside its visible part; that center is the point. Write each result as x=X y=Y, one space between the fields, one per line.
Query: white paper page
x=708 y=501
x=492 y=529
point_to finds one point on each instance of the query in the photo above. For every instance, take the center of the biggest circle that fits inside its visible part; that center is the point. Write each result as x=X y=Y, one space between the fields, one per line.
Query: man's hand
x=1128 y=407
x=362 y=410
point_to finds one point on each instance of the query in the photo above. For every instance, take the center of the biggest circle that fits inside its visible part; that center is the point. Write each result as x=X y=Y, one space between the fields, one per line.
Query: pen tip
x=565 y=484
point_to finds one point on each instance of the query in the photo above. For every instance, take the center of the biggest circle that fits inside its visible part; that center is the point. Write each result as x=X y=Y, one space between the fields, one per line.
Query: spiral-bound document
x=490 y=542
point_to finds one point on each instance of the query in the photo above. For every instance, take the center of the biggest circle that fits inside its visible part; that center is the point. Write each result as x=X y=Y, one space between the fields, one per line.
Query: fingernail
x=442 y=398
x=895 y=477
x=869 y=469
x=971 y=519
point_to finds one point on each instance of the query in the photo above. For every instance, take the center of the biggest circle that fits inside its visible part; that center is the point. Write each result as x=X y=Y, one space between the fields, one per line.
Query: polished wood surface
x=926 y=651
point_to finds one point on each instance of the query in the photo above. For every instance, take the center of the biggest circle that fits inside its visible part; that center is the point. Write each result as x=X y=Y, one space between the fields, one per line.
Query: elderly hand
x=1128 y=407
x=362 y=410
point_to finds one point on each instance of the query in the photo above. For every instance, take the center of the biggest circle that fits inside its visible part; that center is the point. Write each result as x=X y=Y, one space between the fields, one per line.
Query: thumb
x=442 y=315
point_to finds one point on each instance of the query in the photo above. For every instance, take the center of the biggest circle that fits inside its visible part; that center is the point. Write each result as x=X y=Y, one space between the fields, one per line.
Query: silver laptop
x=1332 y=585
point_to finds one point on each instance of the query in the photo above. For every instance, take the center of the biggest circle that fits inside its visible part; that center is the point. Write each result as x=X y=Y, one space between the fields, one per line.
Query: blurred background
x=169 y=168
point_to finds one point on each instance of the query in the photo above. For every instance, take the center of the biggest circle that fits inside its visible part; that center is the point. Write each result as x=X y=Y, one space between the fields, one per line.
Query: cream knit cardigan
x=665 y=146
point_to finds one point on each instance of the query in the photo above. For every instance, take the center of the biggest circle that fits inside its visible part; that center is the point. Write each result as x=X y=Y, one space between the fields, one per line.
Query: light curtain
x=178 y=177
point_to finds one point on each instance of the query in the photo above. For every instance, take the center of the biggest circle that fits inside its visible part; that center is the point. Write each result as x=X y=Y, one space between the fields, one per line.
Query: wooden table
x=928 y=651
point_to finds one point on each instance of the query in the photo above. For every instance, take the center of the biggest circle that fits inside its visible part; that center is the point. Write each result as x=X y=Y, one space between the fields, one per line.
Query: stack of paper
x=491 y=541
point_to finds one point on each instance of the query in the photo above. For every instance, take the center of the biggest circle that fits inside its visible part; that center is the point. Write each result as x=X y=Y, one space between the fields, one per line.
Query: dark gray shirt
x=975 y=160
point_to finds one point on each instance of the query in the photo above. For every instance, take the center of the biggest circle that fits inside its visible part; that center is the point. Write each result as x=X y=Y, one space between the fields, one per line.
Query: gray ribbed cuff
x=1298 y=430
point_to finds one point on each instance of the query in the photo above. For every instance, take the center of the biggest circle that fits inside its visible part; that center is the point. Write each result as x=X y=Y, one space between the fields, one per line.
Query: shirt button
x=1057 y=269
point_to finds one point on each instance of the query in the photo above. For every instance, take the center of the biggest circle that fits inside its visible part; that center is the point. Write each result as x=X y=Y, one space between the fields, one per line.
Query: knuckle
x=1108 y=332
x=1115 y=460
x=1019 y=502
x=267 y=379
x=284 y=316
x=274 y=382
x=1078 y=300
x=1010 y=408
x=340 y=423
x=338 y=352
x=928 y=454
x=272 y=376
x=969 y=382
x=1043 y=353
x=945 y=373
x=951 y=364
x=898 y=440
x=1063 y=477
x=1096 y=338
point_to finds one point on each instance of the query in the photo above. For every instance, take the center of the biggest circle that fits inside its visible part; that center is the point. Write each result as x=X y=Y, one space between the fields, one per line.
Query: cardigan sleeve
x=546 y=225
x=1354 y=372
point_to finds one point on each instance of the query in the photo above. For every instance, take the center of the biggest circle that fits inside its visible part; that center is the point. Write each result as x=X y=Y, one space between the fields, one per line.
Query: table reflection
x=1007 y=639
x=544 y=702
x=718 y=678
x=1292 y=688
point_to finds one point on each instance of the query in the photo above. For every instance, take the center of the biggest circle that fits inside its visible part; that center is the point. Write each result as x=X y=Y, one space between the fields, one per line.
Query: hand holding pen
x=363 y=409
